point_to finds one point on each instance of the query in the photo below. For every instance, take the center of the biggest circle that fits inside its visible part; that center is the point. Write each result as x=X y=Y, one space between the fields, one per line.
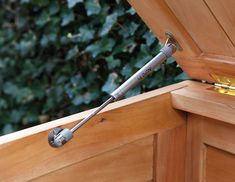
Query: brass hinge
x=225 y=89
x=229 y=87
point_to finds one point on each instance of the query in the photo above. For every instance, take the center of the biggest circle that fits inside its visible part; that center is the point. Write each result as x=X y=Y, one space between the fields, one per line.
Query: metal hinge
x=225 y=89
x=228 y=87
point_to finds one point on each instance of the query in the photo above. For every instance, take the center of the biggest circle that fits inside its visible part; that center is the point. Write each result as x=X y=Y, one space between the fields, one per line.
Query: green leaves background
x=61 y=57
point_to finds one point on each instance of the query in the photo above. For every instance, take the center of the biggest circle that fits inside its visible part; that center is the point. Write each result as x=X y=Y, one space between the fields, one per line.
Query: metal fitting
x=58 y=137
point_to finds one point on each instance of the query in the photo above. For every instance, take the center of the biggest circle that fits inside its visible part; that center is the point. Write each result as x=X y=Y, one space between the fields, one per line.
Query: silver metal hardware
x=58 y=136
x=227 y=87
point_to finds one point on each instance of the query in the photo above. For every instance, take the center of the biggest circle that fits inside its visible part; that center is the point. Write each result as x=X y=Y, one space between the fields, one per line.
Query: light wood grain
x=29 y=156
x=204 y=29
x=205 y=102
x=169 y=156
x=204 y=160
x=196 y=150
x=130 y=163
x=224 y=12
x=220 y=166
x=219 y=134
x=159 y=18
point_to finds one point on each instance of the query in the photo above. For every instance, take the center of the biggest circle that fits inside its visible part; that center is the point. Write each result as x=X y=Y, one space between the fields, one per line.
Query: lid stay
x=58 y=136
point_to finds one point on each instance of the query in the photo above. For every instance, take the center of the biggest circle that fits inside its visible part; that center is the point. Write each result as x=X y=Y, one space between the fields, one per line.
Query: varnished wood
x=26 y=155
x=159 y=18
x=219 y=134
x=129 y=163
x=211 y=150
x=206 y=102
x=196 y=149
x=225 y=15
x=220 y=166
x=169 y=156
x=204 y=29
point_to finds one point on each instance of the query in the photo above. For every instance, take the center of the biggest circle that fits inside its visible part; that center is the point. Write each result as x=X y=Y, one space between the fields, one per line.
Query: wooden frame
x=148 y=121
x=143 y=138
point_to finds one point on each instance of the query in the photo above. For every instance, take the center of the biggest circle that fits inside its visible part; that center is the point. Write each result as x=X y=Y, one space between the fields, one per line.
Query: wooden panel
x=202 y=26
x=195 y=68
x=131 y=162
x=220 y=166
x=200 y=100
x=204 y=29
x=211 y=149
x=224 y=12
x=26 y=154
x=195 y=149
x=159 y=18
x=219 y=65
x=169 y=158
x=219 y=134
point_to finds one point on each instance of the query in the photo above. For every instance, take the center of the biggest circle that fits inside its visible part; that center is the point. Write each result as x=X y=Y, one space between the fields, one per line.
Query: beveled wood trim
x=206 y=102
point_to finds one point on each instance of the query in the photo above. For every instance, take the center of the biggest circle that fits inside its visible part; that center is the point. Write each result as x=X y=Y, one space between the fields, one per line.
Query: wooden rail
x=139 y=128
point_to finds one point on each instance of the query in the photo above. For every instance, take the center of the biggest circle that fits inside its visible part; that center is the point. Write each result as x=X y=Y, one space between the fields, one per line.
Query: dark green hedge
x=62 y=57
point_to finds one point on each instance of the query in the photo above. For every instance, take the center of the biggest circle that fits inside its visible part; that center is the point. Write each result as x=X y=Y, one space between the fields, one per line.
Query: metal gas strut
x=58 y=136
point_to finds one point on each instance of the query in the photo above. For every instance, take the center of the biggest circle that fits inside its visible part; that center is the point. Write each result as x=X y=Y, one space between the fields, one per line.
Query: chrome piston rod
x=58 y=136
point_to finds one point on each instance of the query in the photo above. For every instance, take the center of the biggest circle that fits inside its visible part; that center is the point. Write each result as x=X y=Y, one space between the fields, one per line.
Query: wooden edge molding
x=200 y=99
x=72 y=119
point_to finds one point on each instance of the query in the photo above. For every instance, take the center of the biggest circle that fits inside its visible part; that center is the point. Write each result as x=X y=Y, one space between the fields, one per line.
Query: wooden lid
x=205 y=30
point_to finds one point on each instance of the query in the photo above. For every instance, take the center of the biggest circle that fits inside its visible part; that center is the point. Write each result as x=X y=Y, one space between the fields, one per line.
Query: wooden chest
x=181 y=133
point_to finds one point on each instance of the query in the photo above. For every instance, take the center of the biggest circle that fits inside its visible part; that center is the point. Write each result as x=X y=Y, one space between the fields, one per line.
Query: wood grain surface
x=204 y=29
x=26 y=155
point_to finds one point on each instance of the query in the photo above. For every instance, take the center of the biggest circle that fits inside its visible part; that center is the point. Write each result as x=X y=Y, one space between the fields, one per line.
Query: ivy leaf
x=128 y=29
x=72 y=53
x=149 y=38
x=42 y=19
x=10 y=89
x=78 y=82
x=24 y=95
x=156 y=80
x=90 y=96
x=125 y=46
x=170 y=60
x=47 y=39
x=16 y=116
x=41 y=2
x=92 y=7
x=100 y=46
x=67 y=17
x=72 y=3
x=127 y=71
x=181 y=76
x=143 y=56
x=134 y=91
x=111 y=83
x=3 y=104
x=54 y=8
x=86 y=34
x=112 y=63
x=131 y=11
x=78 y=100
x=109 y=22
x=8 y=128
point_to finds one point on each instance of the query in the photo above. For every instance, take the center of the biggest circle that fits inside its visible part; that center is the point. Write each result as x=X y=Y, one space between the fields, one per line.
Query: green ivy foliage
x=61 y=57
